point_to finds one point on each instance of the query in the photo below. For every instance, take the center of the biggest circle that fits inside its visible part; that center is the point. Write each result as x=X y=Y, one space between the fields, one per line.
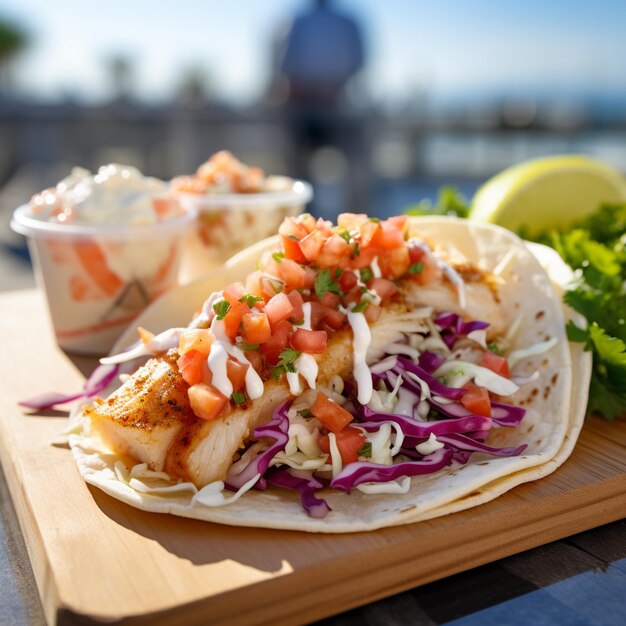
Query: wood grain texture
x=96 y=559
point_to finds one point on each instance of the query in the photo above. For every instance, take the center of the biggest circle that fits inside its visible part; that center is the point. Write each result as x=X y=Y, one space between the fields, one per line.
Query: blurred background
x=376 y=103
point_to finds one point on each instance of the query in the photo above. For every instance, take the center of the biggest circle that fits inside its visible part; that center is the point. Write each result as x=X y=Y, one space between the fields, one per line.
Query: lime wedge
x=547 y=193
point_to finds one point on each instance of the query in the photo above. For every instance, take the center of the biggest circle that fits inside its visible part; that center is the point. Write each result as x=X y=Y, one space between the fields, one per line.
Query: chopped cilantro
x=360 y=307
x=306 y=413
x=250 y=300
x=325 y=283
x=248 y=347
x=449 y=202
x=356 y=251
x=239 y=397
x=416 y=268
x=366 y=450
x=366 y=274
x=492 y=346
x=298 y=322
x=346 y=236
x=278 y=256
x=376 y=220
x=221 y=308
x=287 y=359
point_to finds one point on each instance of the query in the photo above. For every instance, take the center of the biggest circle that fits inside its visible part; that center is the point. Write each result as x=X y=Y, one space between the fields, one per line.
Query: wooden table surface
x=439 y=602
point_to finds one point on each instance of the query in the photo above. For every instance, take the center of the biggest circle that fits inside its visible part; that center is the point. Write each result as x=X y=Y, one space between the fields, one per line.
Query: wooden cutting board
x=98 y=560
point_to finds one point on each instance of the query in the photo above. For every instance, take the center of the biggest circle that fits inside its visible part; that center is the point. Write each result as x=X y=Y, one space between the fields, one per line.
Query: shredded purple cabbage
x=99 y=380
x=453 y=327
x=404 y=364
x=306 y=484
x=277 y=428
x=358 y=473
x=430 y=361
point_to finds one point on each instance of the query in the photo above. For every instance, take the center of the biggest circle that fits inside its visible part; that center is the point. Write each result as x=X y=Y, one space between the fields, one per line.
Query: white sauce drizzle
x=360 y=344
x=376 y=268
x=432 y=444
x=217 y=364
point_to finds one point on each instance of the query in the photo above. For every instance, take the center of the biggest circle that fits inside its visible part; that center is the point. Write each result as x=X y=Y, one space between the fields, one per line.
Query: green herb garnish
x=449 y=202
x=250 y=300
x=360 y=307
x=596 y=248
x=366 y=450
x=278 y=256
x=248 y=347
x=239 y=397
x=325 y=283
x=287 y=359
x=346 y=236
x=298 y=322
x=306 y=413
x=493 y=347
x=366 y=274
x=416 y=268
x=356 y=251
x=221 y=308
x=376 y=220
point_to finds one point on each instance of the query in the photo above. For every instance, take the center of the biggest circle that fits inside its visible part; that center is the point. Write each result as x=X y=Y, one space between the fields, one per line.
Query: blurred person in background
x=322 y=53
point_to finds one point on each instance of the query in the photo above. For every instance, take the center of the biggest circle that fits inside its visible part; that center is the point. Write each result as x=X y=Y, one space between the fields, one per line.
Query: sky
x=449 y=48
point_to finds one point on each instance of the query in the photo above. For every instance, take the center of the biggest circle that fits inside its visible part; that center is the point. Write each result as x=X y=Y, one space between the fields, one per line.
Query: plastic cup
x=228 y=223
x=97 y=279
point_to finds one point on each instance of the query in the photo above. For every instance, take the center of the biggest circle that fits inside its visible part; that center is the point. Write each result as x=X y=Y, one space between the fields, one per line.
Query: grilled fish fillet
x=149 y=418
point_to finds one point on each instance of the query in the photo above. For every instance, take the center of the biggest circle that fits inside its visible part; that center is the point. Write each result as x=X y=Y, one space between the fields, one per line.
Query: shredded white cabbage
x=429 y=446
x=213 y=493
x=457 y=373
x=391 y=486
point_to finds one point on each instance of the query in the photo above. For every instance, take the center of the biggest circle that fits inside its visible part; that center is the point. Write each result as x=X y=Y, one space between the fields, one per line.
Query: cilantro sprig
x=221 y=308
x=286 y=363
x=324 y=283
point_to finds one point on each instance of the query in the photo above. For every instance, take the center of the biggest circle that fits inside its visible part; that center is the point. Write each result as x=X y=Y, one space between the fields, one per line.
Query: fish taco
x=339 y=379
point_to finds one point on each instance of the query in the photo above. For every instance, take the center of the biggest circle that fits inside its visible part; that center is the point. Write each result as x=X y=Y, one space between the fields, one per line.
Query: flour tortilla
x=552 y=423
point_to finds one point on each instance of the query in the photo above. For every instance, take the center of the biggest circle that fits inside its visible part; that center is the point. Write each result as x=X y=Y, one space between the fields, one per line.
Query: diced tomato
x=291 y=226
x=310 y=341
x=335 y=319
x=292 y=250
x=270 y=286
x=193 y=367
x=233 y=292
x=388 y=237
x=352 y=297
x=255 y=327
x=308 y=221
x=333 y=416
x=236 y=373
x=198 y=339
x=253 y=284
x=398 y=221
x=279 y=340
x=497 y=364
x=335 y=252
x=325 y=227
x=329 y=299
x=349 y=441
x=296 y=302
x=383 y=287
x=292 y=273
x=430 y=272
x=309 y=277
x=368 y=232
x=365 y=258
x=394 y=263
x=372 y=313
x=351 y=221
x=256 y=360
x=233 y=318
x=279 y=308
x=312 y=244
x=206 y=401
x=347 y=281
x=476 y=400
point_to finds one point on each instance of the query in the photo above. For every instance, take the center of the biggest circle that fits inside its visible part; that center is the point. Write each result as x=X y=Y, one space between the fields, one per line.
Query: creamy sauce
x=360 y=344
x=429 y=446
x=376 y=268
x=306 y=365
x=217 y=365
x=162 y=342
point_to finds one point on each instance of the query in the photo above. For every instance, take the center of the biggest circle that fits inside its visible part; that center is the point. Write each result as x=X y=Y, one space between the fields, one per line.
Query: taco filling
x=355 y=357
